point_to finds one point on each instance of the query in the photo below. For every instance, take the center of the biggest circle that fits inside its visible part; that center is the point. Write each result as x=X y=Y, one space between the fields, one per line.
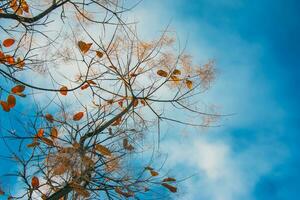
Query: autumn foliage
x=87 y=99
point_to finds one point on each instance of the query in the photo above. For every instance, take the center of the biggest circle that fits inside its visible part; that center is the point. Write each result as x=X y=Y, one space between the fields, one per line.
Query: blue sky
x=256 y=47
x=255 y=154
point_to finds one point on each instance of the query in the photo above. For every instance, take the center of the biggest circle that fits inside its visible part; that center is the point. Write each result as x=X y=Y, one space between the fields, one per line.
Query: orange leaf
x=84 y=86
x=91 y=82
x=162 y=73
x=34 y=144
x=189 y=84
x=176 y=72
x=8 y=42
x=5 y=106
x=10 y=60
x=103 y=150
x=99 y=54
x=169 y=187
x=18 y=89
x=84 y=47
x=175 y=79
x=25 y=6
x=40 y=133
x=135 y=103
x=54 y=133
x=63 y=90
x=153 y=173
x=78 y=116
x=49 y=118
x=143 y=102
x=11 y=101
x=35 y=183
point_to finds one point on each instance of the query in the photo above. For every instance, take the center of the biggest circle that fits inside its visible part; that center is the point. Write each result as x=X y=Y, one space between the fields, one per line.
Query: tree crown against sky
x=91 y=91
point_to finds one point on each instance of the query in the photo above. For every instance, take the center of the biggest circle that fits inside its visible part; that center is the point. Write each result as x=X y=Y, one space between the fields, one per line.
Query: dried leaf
x=169 y=187
x=49 y=118
x=153 y=173
x=169 y=179
x=176 y=72
x=8 y=42
x=5 y=106
x=53 y=133
x=126 y=145
x=11 y=101
x=149 y=168
x=189 y=84
x=84 y=47
x=63 y=90
x=40 y=133
x=162 y=73
x=84 y=86
x=99 y=54
x=18 y=89
x=103 y=150
x=78 y=116
x=143 y=102
x=135 y=102
x=34 y=144
x=35 y=183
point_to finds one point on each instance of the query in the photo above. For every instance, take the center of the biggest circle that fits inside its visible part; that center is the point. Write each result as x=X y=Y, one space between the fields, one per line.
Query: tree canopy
x=84 y=92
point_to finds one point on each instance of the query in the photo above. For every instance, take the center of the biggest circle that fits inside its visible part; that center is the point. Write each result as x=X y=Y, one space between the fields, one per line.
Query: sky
x=254 y=155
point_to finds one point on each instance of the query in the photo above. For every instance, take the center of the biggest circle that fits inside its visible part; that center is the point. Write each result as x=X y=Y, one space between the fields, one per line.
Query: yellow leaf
x=189 y=84
x=78 y=116
x=176 y=72
x=162 y=73
x=103 y=150
x=84 y=47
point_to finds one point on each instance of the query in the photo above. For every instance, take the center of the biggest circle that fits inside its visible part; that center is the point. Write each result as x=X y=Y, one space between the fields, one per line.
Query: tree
x=94 y=91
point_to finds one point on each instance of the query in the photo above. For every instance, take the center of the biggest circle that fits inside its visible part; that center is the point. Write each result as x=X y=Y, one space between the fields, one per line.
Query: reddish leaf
x=5 y=106
x=11 y=101
x=40 y=133
x=143 y=102
x=63 y=90
x=117 y=121
x=169 y=187
x=8 y=42
x=84 y=86
x=49 y=118
x=35 y=183
x=169 y=179
x=18 y=89
x=78 y=116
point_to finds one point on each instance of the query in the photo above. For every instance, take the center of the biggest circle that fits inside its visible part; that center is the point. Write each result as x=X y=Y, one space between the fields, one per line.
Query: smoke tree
x=85 y=92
